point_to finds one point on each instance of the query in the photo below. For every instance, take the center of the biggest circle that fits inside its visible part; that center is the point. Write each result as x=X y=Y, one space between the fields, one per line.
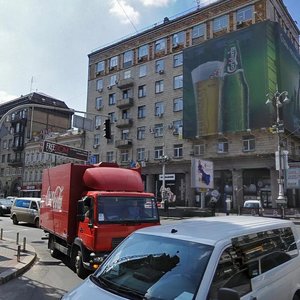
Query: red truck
x=87 y=210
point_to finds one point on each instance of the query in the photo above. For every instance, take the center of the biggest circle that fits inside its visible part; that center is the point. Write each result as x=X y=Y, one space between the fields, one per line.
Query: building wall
x=236 y=160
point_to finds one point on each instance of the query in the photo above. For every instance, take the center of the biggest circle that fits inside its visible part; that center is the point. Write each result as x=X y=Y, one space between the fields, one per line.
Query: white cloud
x=126 y=12
x=4 y=97
x=157 y=3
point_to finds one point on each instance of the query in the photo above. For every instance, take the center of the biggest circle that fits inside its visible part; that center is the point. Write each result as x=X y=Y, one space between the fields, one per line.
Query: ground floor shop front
x=234 y=181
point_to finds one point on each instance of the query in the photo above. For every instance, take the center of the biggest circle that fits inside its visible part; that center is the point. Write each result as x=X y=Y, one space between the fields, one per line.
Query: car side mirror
x=228 y=294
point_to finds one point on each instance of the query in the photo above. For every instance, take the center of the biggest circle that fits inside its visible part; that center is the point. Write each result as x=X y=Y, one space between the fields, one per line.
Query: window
x=112 y=117
x=178 y=104
x=142 y=91
x=142 y=71
x=143 y=51
x=113 y=80
x=140 y=153
x=178 y=151
x=128 y=59
x=112 y=99
x=99 y=103
x=100 y=66
x=177 y=60
x=248 y=143
x=159 y=66
x=244 y=14
x=158 y=130
x=177 y=127
x=141 y=133
x=97 y=139
x=220 y=23
x=3 y=158
x=125 y=114
x=97 y=122
x=160 y=45
x=113 y=62
x=199 y=150
x=158 y=152
x=159 y=109
x=127 y=74
x=178 y=82
x=159 y=86
x=124 y=155
x=125 y=134
x=141 y=111
x=198 y=31
x=222 y=145
x=110 y=156
x=99 y=85
x=178 y=39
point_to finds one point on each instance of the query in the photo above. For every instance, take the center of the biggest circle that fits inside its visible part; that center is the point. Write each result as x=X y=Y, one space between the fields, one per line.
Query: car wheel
x=53 y=251
x=1 y=212
x=80 y=270
x=15 y=220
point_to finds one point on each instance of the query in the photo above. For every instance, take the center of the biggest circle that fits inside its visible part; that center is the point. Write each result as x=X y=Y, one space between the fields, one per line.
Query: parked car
x=215 y=258
x=26 y=209
x=5 y=206
x=252 y=204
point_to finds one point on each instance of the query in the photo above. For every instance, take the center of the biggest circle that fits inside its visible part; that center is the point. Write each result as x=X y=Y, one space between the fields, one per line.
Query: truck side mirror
x=228 y=294
x=80 y=210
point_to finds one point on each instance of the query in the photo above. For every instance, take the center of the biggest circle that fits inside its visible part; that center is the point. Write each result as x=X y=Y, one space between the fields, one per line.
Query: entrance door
x=266 y=199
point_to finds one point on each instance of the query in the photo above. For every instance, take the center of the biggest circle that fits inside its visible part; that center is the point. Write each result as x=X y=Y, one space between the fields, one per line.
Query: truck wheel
x=15 y=220
x=79 y=268
x=53 y=251
x=296 y=297
x=37 y=223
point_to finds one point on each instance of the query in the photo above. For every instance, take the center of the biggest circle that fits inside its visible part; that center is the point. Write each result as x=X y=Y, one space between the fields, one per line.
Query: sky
x=44 y=44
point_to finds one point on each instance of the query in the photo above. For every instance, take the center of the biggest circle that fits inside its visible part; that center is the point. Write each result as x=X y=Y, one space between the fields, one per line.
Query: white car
x=252 y=204
x=213 y=258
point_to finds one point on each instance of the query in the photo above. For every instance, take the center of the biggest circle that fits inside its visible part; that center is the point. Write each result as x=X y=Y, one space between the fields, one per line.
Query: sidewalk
x=10 y=267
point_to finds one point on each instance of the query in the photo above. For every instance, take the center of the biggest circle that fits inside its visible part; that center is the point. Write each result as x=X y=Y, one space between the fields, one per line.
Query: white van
x=26 y=209
x=214 y=258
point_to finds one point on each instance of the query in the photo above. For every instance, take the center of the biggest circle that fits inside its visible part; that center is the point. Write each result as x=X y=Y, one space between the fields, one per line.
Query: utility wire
x=127 y=15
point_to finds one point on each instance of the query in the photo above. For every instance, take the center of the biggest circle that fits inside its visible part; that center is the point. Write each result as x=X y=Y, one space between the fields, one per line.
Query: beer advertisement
x=227 y=79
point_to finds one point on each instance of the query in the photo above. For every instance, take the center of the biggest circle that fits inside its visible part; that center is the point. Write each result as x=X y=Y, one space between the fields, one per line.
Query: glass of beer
x=207 y=82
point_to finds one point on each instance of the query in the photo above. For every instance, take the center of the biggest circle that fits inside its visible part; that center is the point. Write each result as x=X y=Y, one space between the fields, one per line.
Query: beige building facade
x=138 y=84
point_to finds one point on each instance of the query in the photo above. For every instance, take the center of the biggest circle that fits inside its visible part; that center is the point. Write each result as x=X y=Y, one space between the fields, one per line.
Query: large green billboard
x=226 y=81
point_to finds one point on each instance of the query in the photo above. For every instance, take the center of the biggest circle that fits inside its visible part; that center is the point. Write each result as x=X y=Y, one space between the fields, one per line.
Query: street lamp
x=163 y=160
x=278 y=100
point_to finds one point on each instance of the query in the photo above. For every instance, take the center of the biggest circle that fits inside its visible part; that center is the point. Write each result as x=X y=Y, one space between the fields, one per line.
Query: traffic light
x=107 y=131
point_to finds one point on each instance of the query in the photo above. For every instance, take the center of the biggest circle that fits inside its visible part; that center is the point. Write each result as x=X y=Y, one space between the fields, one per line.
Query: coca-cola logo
x=54 y=198
x=232 y=60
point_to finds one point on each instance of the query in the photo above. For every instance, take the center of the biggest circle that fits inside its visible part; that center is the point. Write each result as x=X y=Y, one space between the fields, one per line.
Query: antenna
x=31 y=83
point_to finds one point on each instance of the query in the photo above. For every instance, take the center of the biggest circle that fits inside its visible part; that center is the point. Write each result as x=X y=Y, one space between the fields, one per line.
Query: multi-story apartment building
x=23 y=121
x=36 y=160
x=154 y=87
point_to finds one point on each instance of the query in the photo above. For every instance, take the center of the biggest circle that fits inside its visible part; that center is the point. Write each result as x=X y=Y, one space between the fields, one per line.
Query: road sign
x=167 y=177
x=66 y=151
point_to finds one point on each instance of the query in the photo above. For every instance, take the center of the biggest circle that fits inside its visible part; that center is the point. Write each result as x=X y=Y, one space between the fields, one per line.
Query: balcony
x=123 y=123
x=125 y=103
x=123 y=143
x=16 y=163
x=125 y=83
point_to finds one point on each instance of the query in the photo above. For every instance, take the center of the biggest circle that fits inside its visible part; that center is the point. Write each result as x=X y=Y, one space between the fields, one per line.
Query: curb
x=21 y=267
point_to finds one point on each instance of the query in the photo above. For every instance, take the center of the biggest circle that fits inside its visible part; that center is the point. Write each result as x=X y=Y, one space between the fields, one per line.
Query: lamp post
x=278 y=100
x=163 y=160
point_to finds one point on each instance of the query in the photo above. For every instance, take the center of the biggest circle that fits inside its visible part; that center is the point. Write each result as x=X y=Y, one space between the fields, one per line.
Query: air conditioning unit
x=96 y=146
x=170 y=126
x=100 y=90
x=98 y=73
x=175 y=132
x=160 y=115
x=161 y=71
x=109 y=87
x=176 y=45
x=97 y=127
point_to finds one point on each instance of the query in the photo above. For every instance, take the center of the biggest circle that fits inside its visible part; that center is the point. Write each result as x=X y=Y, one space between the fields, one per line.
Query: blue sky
x=45 y=44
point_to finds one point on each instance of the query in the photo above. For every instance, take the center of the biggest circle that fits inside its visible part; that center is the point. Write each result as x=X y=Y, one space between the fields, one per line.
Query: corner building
x=154 y=85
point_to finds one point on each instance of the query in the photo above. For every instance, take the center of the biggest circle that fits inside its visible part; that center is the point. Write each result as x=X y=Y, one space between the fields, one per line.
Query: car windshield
x=123 y=209
x=251 y=205
x=151 y=267
x=5 y=202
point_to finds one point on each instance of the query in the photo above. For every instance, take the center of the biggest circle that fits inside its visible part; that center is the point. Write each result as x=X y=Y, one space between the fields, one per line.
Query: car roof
x=211 y=230
x=252 y=200
x=28 y=198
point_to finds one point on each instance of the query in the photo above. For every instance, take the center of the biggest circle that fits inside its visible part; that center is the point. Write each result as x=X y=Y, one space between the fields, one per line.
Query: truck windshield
x=146 y=266
x=116 y=209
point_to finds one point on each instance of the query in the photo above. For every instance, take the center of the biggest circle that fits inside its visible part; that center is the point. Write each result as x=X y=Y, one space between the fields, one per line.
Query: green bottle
x=235 y=91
